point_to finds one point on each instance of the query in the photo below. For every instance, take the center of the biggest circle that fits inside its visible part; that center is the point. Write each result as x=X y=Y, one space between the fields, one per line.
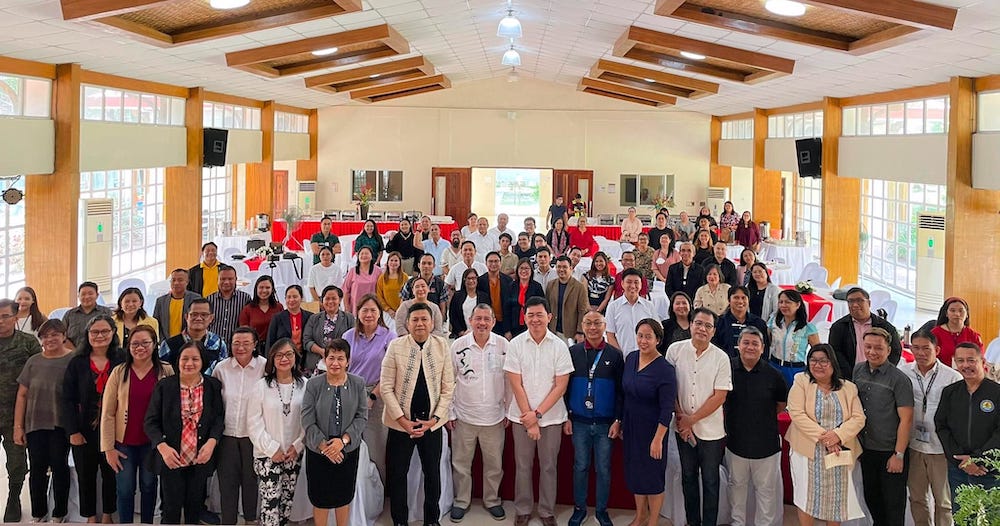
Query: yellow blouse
x=387 y=290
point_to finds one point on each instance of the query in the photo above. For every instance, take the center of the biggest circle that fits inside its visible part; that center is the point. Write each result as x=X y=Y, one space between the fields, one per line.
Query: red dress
x=948 y=340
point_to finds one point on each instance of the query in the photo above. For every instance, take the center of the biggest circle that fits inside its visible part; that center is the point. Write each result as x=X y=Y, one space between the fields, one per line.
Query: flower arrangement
x=662 y=201
x=365 y=197
x=264 y=252
x=805 y=287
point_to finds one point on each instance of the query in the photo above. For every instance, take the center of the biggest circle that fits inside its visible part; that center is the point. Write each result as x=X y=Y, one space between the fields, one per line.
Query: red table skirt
x=306 y=229
x=814 y=303
x=613 y=233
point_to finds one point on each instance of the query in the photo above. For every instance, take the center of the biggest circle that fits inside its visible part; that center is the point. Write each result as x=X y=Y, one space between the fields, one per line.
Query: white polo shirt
x=484 y=243
x=480 y=383
x=544 y=278
x=494 y=234
x=454 y=277
x=622 y=317
x=538 y=365
x=238 y=387
x=697 y=379
x=923 y=435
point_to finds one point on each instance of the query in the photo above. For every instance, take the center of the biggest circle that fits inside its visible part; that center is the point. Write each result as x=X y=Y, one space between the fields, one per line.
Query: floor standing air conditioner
x=307 y=196
x=97 y=235
x=715 y=198
x=930 y=261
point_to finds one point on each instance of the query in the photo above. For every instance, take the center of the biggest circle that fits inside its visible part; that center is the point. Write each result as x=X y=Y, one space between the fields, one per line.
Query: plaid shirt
x=192 y=405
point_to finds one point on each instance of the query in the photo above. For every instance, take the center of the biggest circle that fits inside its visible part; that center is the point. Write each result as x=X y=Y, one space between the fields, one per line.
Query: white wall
x=736 y=152
x=779 y=154
x=909 y=158
x=244 y=146
x=291 y=146
x=498 y=124
x=985 y=160
x=27 y=146
x=117 y=146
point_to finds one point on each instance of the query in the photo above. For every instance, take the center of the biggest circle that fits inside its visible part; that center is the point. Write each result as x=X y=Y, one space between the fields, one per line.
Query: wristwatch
x=538 y=414
x=898 y=454
x=436 y=418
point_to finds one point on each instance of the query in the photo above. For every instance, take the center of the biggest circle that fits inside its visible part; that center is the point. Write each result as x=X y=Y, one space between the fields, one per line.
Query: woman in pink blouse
x=361 y=279
x=664 y=257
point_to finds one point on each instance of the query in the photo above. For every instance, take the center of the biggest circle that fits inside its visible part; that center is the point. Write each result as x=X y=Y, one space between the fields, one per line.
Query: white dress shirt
x=544 y=278
x=538 y=365
x=697 y=379
x=484 y=244
x=454 y=278
x=480 y=384
x=923 y=435
x=237 y=390
x=622 y=317
x=270 y=428
x=449 y=258
x=494 y=234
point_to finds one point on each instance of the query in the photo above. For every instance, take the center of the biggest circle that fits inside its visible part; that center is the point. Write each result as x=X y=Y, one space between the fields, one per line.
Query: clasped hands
x=415 y=428
x=172 y=459
x=332 y=449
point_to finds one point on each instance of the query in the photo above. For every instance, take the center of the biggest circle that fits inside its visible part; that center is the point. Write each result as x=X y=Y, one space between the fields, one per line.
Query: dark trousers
x=398 y=451
x=17 y=458
x=132 y=474
x=957 y=477
x=701 y=460
x=236 y=476
x=89 y=461
x=591 y=440
x=48 y=449
x=885 y=493
x=183 y=490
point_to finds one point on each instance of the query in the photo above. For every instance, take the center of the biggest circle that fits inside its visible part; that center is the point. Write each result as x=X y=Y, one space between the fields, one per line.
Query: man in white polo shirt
x=485 y=243
x=538 y=365
x=454 y=278
x=704 y=378
x=624 y=313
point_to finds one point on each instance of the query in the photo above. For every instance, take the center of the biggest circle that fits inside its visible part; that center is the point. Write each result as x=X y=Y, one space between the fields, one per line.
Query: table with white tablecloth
x=239 y=241
x=795 y=257
x=781 y=273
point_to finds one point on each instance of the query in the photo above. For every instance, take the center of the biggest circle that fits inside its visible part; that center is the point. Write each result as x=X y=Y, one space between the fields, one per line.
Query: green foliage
x=978 y=506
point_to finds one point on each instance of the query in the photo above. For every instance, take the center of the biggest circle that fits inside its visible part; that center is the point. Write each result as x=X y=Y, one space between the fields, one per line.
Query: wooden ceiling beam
x=682 y=64
x=395 y=87
x=665 y=7
x=658 y=76
x=619 y=96
x=709 y=49
x=145 y=33
x=255 y=23
x=643 y=85
x=761 y=27
x=88 y=9
x=380 y=33
x=335 y=62
x=603 y=85
x=417 y=91
x=887 y=38
x=907 y=12
x=365 y=72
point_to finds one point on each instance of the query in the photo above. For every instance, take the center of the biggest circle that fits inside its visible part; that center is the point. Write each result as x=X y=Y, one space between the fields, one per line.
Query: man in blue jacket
x=594 y=399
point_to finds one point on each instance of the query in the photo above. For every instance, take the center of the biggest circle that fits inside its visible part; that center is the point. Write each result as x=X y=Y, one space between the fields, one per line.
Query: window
x=131 y=107
x=291 y=122
x=739 y=129
x=795 y=125
x=25 y=96
x=216 y=200
x=139 y=244
x=914 y=117
x=809 y=208
x=11 y=242
x=889 y=212
x=638 y=190
x=229 y=116
x=388 y=184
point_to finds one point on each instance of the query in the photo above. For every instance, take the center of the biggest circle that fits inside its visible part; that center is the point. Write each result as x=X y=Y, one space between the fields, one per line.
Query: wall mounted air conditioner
x=307 y=196
x=930 y=261
x=715 y=198
x=96 y=236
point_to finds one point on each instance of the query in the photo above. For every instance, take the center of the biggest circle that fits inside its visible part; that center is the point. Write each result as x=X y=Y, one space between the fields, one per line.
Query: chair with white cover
x=807 y=271
x=819 y=278
x=890 y=310
x=157 y=289
x=59 y=313
x=229 y=252
x=836 y=283
x=992 y=351
x=138 y=283
x=242 y=269
x=879 y=298
x=822 y=315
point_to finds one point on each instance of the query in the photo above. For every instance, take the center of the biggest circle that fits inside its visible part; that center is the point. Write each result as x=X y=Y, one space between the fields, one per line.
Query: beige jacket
x=399 y=377
x=804 y=432
x=114 y=407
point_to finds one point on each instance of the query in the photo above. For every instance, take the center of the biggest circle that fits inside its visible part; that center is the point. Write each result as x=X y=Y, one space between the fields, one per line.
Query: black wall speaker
x=809 y=154
x=215 y=146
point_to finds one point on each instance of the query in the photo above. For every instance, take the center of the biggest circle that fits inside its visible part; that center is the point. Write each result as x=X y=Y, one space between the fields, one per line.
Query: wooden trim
x=145 y=33
x=795 y=108
x=292 y=109
x=397 y=87
x=652 y=96
x=665 y=7
x=730 y=54
x=419 y=64
x=899 y=95
x=907 y=12
x=683 y=64
x=840 y=239
x=761 y=27
x=718 y=176
x=27 y=68
x=656 y=75
x=619 y=96
x=888 y=38
x=260 y=23
x=990 y=83
x=182 y=206
x=260 y=176
x=211 y=96
x=737 y=116
x=126 y=83
x=308 y=169
x=87 y=9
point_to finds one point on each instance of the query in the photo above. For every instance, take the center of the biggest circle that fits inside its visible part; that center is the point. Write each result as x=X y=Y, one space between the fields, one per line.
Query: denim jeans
x=589 y=438
x=957 y=477
x=133 y=467
x=704 y=459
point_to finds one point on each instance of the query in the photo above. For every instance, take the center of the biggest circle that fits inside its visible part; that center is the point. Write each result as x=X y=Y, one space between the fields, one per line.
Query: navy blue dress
x=649 y=401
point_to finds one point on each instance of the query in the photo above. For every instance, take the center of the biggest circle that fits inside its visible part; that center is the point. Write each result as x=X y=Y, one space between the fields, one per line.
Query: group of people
x=219 y=381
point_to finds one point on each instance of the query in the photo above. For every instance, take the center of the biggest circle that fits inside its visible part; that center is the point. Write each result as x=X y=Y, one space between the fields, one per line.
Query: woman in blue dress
x=650 y=387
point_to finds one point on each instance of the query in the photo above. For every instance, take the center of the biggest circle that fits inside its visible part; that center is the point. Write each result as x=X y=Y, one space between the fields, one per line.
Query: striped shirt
x=227 y=313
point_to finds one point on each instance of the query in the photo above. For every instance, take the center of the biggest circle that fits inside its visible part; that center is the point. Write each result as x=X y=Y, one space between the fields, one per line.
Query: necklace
x=286 y=407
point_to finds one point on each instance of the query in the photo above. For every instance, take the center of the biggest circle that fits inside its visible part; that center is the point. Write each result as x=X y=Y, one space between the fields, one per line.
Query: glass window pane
x=11 y=95
x=217 y=112
x=227 y=116
x=177 y=108
x=255 y=121
x=147 y=109
x=850 y=122
x=112 y=105
x=206 y=117
x=807 y=125
x=772 y=126
x=864 y=120
x=162 y=110
x=818 y=124
x=915 y=117
x=37 y=97
x=896 y=119
x=789 y=126
x=93 y=103
x=131 y=107
x=878 y=120
x=936 y=115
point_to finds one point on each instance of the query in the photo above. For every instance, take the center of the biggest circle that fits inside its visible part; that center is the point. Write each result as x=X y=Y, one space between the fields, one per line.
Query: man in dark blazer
x=568 y=299
x=178 y=292
x=496 y=286
x=685 y=275
x=847 y=332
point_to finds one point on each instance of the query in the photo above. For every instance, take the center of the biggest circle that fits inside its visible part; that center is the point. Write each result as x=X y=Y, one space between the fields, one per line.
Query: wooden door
x=568 y=183
x=280 y=192
x=451 y=192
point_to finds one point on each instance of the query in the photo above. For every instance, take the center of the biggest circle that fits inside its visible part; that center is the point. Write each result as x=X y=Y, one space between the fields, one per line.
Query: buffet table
x=306 y=229
x=795 y=257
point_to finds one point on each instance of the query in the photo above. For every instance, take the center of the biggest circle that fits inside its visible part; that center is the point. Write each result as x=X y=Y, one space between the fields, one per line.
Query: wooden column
x=766 y=183
x=260 y=176
x=972 y=228
x=718 y=176
x=308 y=169
x=52 y=204
x=841 y=226
x=182 y=191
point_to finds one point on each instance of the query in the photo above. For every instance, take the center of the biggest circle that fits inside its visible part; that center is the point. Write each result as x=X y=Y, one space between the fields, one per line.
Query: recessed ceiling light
x=785 y=7
x=375 y=76
x=228 y=4
x=692 y=56
x=649 y=80
x=325 y=52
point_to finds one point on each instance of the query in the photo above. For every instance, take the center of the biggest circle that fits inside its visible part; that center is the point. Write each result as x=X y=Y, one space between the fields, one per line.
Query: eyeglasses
x=199 y=315
x=136 y=345
x=703 y=324
x=823 y=362
x=283 y=355
x=6 y=317
x=100 y=332
x=856 y=301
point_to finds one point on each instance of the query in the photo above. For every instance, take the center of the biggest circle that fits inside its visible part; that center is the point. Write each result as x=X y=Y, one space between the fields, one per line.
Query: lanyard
x=927 y=392
x=590 y=374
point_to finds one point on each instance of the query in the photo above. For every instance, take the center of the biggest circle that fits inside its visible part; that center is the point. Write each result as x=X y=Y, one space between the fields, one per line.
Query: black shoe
x=457 y=514
x=579 y=515
x=208 y=517
x=13 y=511
x=497 y=513
x=603 y=518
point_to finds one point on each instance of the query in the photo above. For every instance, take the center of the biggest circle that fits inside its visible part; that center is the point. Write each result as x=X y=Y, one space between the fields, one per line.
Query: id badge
x=588 y=403
x=921 y=433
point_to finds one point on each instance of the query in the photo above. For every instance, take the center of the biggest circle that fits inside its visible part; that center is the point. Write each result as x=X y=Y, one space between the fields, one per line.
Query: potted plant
x=662 y=201
x=805 y=287
x=979 y=506
x=363 y=200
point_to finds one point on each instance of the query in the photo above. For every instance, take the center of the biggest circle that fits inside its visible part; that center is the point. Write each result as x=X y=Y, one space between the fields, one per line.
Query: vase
x=363 y=209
